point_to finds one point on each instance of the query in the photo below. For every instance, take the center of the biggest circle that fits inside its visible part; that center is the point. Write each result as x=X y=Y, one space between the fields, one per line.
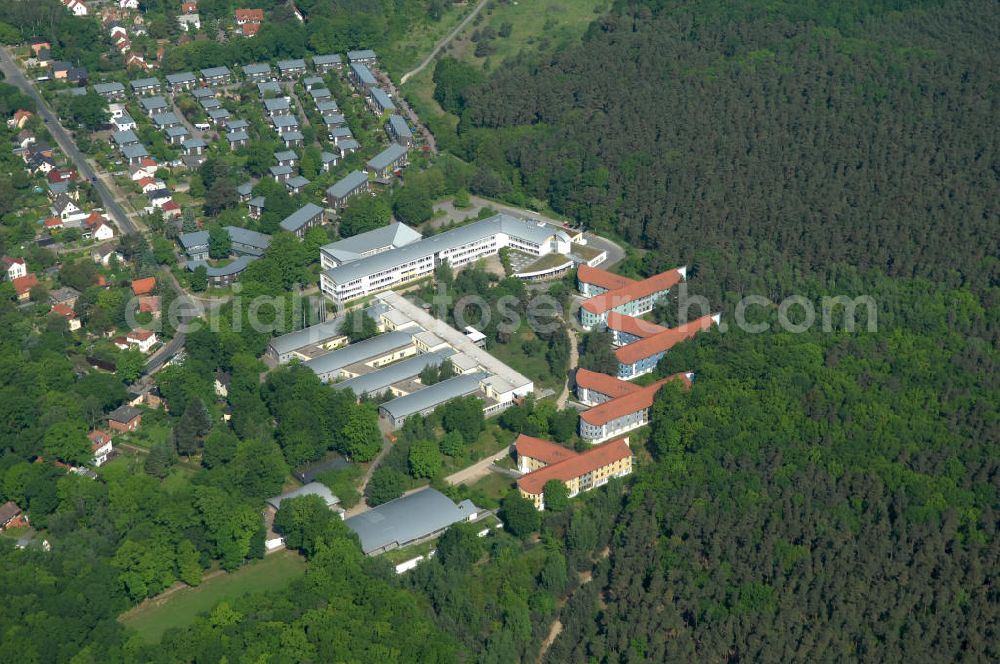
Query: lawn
x=407 y=52
x=179 y=609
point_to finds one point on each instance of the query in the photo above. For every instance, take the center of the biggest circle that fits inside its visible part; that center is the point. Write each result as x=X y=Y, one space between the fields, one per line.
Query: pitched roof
x=8 y=511
x=300 y=217
x=411 y=517
x=633 y=291
x=603 y=383
x=143 y=286
x=140 y=334
x=663 y=341
x=632 y=325
x=124 y=413
x=602 y=278
x=575 y=466
x=24 y=284
x=543 y=450
x=621 y=406
x=63 y=310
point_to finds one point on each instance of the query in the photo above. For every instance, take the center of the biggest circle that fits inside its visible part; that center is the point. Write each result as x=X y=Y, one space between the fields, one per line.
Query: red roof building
x=250 y=29
x=602 y=279
x=143 y=286
x=627 y=329
x=635 y=291
x=653 y=347
x=23 y=286
x=189 y=7
x=593 y=388
x=244 y=16
x=624 y=413
x=578 y=471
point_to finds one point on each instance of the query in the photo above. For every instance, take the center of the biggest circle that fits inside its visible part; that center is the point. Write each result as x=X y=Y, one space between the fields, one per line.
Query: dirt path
x=574 y=359
x=477 y=470
x=554 y=631
x=444 y=42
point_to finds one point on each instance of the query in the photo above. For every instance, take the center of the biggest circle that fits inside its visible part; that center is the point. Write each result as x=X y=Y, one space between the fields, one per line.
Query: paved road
x=480 y=469
x=444 y=42
x=113 y=209
x=15 y=77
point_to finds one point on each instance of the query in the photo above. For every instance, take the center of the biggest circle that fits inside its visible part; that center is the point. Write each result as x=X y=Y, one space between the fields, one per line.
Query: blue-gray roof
x=247 y=237
x=106 y=88
x=212 y=72
x=164 y=119
x=328 y=157
x=457 y=237
x=285 y=121
x=285 y=65
x=257 y=201
x=348 y=144
x=310 y=81
x=364 y=74
x=362 y=54
x=192 y=143
x=320 y=92
x=150 y=103
x=340 y=132
x=334 y=120
x=257 y=68
x=183 y=77
x=300 y=217
x=378 y=345
x=387 y=157
x=124 y=137
x=382 y=98
x=218 y=113
x=237 y=123
x=202 y=93
x=280 y=169
x=286 y=155
x=268 y=86
x=326 y=106
x=433 y=396
x=238 y=135
x=290 y=136
x=176 y=130
x=296 y=182
x=399 y=126
x=235 y=267
x=349 y=183
x=276 y=104
x=377 y=382
x=404 y=520
x=245 y=189
x=330 y=59
x=352 y=248
x=193 y=240
x=141 y=83
x=135 y=150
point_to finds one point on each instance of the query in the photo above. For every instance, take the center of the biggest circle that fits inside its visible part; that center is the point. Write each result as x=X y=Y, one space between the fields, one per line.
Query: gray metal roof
x=285 y=65
x=382 y=98
x=280 y=169
x=285 y=121
x=399 y=126
x=348 y=144
x=248 y=237
x=362 y=54
x=320 y=92
x=330 y=59
x=310 y=81
x=298 y=219
x=407 y=519
x=177 y=130
x=105 y=88
x=257 y=201
x=268 y=86
x=387 y=157
x=328 y=157
x=349 y=183
x=358 y=352
x=326 y=106
x=183 y=77
x=313 y=334
x=350 y=249
x=141 y=83
x=164 y=119
x=342 y=132
x=334 y=119
x=149 y=103
x=290 y=136
x=311 y=489
x=135 y=150
x=245 y=189
x=434 y=395
x=276 y=104
x=218 y=113
x=378 y=381
x=124 y=137
x=478 y=230
x=237 y=123
x=296 y=182
x=193 y=240
x=239 y=135
x=212 y=72
x=210 y=103
x=202 y=93
x=364 y=74
x=257 y=68
x=235 y=267
x=285 y=155
x=194 y=143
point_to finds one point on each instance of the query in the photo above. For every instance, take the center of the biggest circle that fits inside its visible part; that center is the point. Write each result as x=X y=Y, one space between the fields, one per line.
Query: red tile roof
x=63 y=310
x=575 y=466
x=632 y=325
x=602 y=278
x=543 y=450
x=149 y=304
x=250 y=29
x=140 y=335
x=603 y=383
x=249 y=15
x=53 y=222
x=633 y=402
x=98 y=439
x=633 y=291
x=143 y=286
x=24 y=284
x=663 y=341
x=8 y=262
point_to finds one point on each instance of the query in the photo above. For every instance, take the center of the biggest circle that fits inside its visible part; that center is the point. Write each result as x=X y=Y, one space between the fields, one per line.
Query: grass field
x=153 y=618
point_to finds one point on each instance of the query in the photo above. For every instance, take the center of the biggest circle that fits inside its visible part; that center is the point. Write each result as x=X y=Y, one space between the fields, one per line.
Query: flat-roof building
x=377 y=351
x=425 y=401
x=382 y=380
x=365 y=244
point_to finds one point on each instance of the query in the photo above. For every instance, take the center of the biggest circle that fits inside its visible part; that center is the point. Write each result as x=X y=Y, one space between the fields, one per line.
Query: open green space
x=180 y=608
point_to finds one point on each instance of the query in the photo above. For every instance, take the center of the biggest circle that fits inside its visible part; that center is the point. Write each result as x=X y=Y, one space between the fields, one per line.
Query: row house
x=255 y=73
x=110 y=91
x=216 y=76
x=181 y=82
x=325 y=63
x=290 y=69
x=146 y=86
x=354 y=183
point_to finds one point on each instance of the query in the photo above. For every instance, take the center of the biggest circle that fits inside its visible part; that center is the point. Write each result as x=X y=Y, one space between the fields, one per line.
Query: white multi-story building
x=382 y=270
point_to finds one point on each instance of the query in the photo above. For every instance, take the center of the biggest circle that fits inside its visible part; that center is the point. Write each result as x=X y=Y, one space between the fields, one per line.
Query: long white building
x=385 y=265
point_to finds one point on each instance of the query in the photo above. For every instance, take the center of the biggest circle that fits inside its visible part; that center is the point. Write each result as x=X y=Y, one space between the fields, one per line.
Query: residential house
x=134 y=153
x=327 y=106
x=66 y=295
x=177 y=134
x=189 y=7
x=189 y=22
x=362 y=77
x=286 y=158
x=216 y=75
x=154 y=105
x=124 y=419
x=338 y=134
x=150 y=304
x=293 y=139
x=218 y=116
x=325 y=63
x=143 y=286
x=166 y=120
x=256 y=73
x=300 y=221
x=181 y=82
x=310 y=82
x=388 y=161
x=352 y=184
x=14 y=268
x=78 y=76
x=23 y=286
x=143 y=340
x=281 y=173
x=66 y=209
x=11 y=516
x=245 y=191
x=124 y=122
x=249 y=16
x=255 y=207
x=269 y=88
x=76 y=7
x=235 y=124
x=364 y=56
x=291 y=68
x=203 y=93
x=104 y=254
x=347 y=145
x=193 y=147
x=328 y=160
x=100 y=446
x=67 y=313
x=97 y=227
x=238 y=139
x=20 y=118
x=285 y=123
x=399 y=131
x=320 y=95
x=277 y=106
x=380 y=102
x=146 y=86
x=121 y=139
x=296 y=185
